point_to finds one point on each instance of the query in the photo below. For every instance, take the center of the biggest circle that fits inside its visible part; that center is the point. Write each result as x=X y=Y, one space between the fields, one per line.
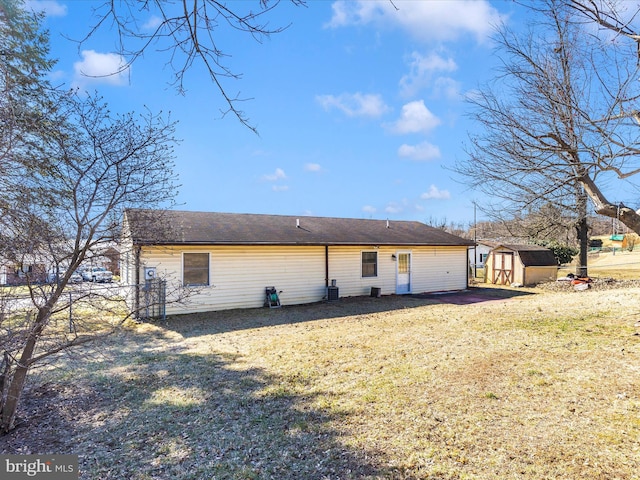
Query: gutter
x=305 y=244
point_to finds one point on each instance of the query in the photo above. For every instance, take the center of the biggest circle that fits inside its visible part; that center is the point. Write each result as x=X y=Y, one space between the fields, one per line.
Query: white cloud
x=415 y=118
x=50 y=7
x=422 y=152
x=354 y=104
x=280 y=188
x=275 y=176
x=347 y=13
x=447 y=87
x=107 y=68
x=369 y=209
x=426 y=21
x=153 y=23
x=424 y=72
x=393 y=208
x=57 y=75
x=313 y=167
x=435 y=193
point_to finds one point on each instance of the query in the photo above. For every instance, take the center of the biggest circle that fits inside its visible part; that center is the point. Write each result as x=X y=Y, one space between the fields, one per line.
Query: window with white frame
x=369 y=264
x=195 y=269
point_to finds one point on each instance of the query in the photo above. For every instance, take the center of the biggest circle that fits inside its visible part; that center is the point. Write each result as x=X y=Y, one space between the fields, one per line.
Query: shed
x=520 y=264
x=225 y=260
x=618 y=241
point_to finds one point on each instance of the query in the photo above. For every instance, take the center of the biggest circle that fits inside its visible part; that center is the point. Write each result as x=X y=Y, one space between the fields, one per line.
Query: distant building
x=481 y=252
x=30 y=270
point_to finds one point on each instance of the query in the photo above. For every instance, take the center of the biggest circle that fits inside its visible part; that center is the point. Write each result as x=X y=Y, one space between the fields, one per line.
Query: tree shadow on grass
x=148 y=410
x=189 y=325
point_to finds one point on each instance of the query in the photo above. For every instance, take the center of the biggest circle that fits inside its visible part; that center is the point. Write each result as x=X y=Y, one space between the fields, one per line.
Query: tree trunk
x=582 y=231
x=583 y=237
x=17 y=381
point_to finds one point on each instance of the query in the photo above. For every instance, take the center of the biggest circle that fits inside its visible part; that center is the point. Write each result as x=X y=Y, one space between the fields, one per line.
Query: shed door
x=403 y=276
x=503 y=268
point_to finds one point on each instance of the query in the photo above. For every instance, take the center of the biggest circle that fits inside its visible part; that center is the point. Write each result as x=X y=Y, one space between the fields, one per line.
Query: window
x=369 y=264
x=195 y=269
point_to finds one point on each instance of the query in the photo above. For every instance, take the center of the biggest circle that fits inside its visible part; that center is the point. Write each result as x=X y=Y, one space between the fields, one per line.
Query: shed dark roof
x=533 y=255
x=171 y=227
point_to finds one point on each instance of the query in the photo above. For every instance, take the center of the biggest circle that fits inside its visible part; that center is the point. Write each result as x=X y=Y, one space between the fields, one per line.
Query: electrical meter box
x=149 y=273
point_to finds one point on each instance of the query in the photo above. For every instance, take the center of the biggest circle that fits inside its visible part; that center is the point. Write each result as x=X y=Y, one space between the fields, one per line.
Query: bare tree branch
x=187 y=32
x=560 y=115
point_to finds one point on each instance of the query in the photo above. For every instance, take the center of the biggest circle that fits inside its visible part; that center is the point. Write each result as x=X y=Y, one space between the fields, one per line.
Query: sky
x=359 y=105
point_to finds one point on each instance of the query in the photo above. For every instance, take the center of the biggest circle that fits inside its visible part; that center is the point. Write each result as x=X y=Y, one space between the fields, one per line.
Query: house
x=479 y=252
x=111 y=257
x=227 y=260
x=520 y=264
x=31 y=269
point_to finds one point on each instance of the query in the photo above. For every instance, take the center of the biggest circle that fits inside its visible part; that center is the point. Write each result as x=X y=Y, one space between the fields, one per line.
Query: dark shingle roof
x=171 y=227
x=534 y=255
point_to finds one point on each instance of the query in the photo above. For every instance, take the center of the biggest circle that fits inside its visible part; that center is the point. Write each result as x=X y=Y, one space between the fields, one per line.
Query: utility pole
x=475 y=237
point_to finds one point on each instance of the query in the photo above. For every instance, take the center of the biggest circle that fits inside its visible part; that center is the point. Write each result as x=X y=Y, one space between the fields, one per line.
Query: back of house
x=216 y=261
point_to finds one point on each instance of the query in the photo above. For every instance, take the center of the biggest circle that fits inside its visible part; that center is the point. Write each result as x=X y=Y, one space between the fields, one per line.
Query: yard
x=491 y=383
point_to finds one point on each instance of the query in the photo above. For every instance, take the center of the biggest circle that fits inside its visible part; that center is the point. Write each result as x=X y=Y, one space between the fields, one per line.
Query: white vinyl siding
x=439 y=269
x=238 y=275
x=433 y=269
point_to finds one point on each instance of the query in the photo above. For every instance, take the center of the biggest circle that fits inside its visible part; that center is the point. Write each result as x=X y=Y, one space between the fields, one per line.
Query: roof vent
x=297 y=223
x=387 y=223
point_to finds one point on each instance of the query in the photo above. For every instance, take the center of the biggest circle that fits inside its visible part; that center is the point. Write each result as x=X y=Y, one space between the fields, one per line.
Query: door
x=403 y=275
x=502 y=268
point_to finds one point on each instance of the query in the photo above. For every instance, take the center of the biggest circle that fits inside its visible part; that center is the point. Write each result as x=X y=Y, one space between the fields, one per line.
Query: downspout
x=136 y=300
x=326 y=266
x=470 y=270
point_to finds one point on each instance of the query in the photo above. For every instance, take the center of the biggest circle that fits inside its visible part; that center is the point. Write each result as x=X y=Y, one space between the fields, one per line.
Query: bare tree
x=548 y=223
x=607 y=15
x=69 y=170
x=97 y=165
x=551 y=128
x=186 y=31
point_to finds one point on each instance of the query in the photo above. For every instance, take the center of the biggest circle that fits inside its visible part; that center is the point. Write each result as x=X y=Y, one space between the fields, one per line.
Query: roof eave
x=301 y=244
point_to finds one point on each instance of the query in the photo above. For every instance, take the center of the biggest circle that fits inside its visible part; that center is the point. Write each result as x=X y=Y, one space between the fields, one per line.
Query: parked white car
x=97 y=274
x=54 y=278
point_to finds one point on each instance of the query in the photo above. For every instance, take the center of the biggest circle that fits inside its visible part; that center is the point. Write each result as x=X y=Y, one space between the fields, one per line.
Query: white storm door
x=403 y=275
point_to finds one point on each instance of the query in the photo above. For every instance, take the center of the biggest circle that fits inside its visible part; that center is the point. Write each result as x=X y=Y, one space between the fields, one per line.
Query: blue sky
x=359 y=105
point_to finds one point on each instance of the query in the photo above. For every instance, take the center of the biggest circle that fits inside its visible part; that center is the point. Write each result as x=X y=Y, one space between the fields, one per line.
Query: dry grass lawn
x=514 y=384
x=621 y=265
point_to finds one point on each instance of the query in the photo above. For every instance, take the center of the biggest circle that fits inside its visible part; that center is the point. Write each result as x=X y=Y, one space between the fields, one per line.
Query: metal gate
x=153 y=299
